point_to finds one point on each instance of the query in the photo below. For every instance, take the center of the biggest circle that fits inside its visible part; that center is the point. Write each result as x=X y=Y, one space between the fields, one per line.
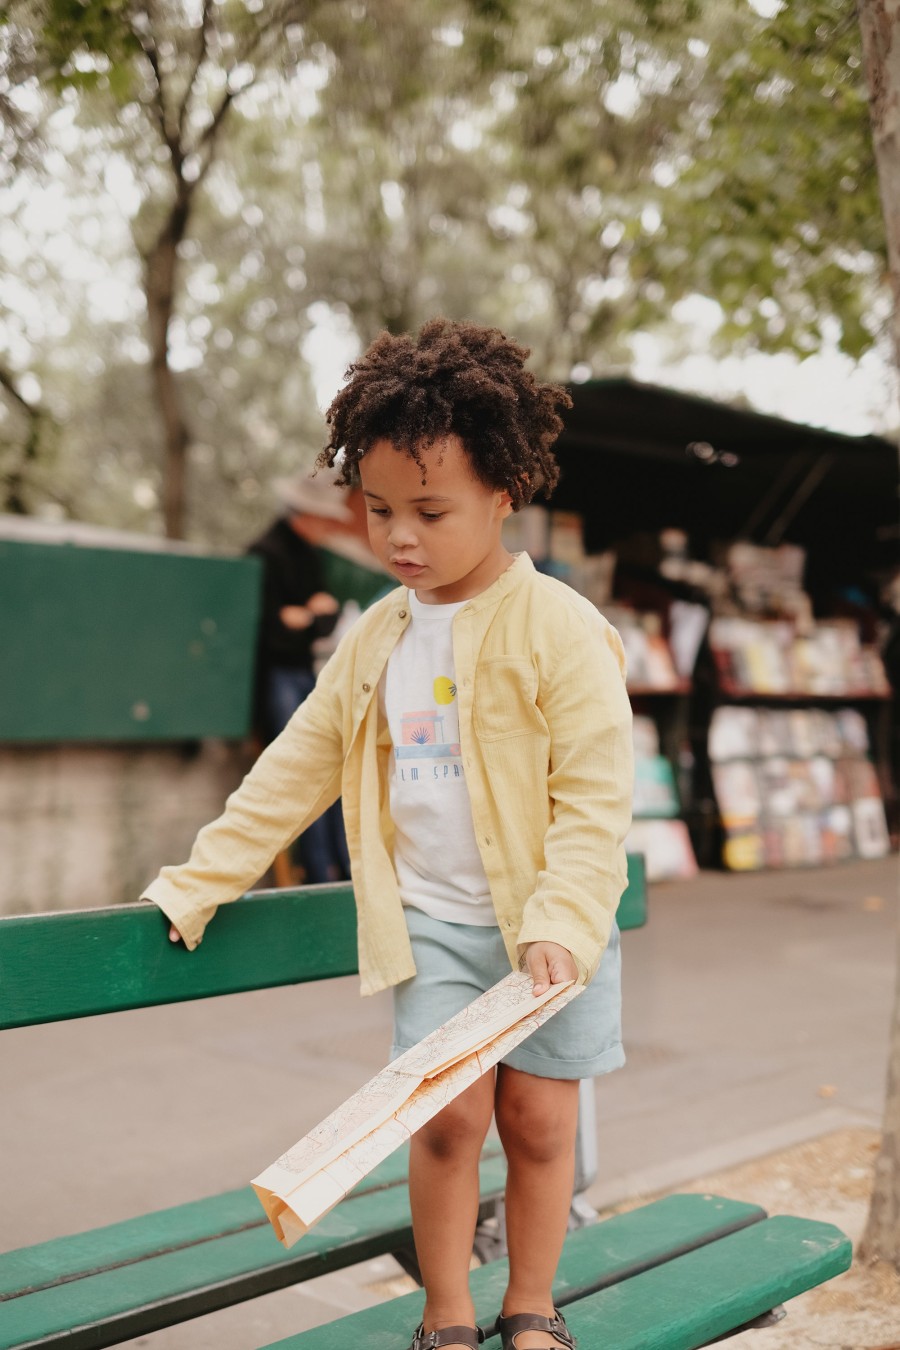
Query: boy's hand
x=174 y=935
x=549 y=963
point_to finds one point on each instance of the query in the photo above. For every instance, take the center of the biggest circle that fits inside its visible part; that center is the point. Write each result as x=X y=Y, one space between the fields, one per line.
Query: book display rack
x=795 y=787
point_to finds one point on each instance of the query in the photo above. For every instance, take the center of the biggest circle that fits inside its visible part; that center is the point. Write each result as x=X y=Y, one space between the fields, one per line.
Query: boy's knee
x=453 y=1132
x=537 y=1126
x=536 y=1138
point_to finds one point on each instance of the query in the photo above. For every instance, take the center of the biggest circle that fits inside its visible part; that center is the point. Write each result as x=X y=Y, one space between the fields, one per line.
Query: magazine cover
x=836 y=829
x=655 y=793
x=737 y=792
x=774 y=732
x=870 y=828
x=744 y=850
x=853 y=730
x=667 y=847
x=733 y=733
x=645 y=737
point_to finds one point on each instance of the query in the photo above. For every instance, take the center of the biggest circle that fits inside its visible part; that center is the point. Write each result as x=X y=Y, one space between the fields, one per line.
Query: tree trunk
x=14 y=496
x=880 y=26
x=881 y=1240
x=879 y=22
x=159 y=287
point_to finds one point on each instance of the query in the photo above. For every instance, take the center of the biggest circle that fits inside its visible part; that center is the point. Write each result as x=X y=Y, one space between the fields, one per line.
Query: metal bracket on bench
x=767 y=1319
x=490 y=1235
x=408 y=1262
x=582 y=1213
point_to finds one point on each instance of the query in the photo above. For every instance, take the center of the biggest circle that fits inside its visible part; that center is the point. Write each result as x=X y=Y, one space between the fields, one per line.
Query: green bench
x=673 y=1275
x=127 y=1279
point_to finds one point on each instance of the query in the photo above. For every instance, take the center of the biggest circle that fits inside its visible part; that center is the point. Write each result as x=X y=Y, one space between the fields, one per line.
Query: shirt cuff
x=178 y=911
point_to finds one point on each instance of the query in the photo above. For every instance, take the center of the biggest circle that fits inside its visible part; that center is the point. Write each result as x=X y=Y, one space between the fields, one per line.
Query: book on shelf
x=647 y=653
x=666 y=846
x=645 y=736
x=775 y=657
x=656 y=831
x=655 y=793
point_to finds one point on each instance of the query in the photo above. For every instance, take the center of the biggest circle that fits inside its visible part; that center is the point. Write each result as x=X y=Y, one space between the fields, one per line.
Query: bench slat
x=693 y=1300
x=137 y=1298
x=107 y=960
x=602 y=1255
x=183 y=1225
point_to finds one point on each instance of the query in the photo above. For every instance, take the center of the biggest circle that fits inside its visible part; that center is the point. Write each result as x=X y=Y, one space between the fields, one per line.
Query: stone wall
x=88 y=825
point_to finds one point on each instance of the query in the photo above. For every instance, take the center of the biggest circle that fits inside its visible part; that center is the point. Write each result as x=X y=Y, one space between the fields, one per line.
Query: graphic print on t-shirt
x=431 y=734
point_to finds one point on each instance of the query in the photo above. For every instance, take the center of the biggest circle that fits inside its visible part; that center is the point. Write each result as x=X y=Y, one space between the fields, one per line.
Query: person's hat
x=313 y=495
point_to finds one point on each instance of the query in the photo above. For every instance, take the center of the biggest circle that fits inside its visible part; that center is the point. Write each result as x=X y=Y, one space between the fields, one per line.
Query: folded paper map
x=309 y=1180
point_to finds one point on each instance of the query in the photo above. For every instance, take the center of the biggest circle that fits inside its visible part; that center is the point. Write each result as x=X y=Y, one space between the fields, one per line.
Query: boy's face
x=440 y=538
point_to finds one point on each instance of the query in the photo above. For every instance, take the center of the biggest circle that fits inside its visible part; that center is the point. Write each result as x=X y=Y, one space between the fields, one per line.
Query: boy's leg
x=537 y=1119
x=443 y=1191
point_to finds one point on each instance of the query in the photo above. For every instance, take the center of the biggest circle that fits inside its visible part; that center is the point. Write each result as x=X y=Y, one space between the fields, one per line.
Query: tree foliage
x=563 y=168
x=772 y=207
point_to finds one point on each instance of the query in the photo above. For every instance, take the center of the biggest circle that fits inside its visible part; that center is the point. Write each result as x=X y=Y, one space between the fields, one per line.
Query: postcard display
x=789 y=745
x=795 y=786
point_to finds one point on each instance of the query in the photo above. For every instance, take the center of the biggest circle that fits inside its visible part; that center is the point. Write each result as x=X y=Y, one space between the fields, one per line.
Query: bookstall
x=746 y=562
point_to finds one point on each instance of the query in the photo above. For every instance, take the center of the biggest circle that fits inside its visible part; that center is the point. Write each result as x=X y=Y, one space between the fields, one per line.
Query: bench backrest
x=81 y=963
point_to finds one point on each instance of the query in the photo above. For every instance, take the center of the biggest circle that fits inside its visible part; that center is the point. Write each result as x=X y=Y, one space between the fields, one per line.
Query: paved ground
x=757 y=1011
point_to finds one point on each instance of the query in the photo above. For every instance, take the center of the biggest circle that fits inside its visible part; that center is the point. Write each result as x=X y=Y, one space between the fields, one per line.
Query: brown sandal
x=433 y=1340
x=510 y=1327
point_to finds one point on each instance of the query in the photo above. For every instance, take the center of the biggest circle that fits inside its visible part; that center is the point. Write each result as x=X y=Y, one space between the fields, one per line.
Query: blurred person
x=297 y=613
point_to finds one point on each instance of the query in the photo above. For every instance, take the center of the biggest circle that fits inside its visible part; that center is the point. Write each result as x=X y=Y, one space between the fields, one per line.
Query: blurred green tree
x=164 y=79
x=27 y=430
x=770 y=200
x=563 y=168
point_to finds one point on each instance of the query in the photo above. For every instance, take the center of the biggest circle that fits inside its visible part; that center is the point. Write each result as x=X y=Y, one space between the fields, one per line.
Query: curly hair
x=458 y=379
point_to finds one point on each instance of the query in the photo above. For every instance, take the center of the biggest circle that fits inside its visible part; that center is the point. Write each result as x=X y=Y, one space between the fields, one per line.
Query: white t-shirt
x=438 y=865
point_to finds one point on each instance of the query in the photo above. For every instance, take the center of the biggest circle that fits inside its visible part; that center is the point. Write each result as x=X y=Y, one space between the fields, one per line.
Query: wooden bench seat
x=97 y=1288
x=672 y=1275
x=137 y=1276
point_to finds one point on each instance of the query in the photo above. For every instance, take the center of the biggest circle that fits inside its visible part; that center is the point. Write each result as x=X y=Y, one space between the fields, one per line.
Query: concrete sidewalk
x=757 y=1014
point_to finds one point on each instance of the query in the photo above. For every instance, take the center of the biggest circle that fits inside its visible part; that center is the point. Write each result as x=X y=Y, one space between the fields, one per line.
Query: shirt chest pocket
x=505 y=699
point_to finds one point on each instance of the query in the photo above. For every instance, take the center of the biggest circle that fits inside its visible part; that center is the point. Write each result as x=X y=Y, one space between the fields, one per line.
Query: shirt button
x=401 y=614
x=487 y=839
x=366 y=688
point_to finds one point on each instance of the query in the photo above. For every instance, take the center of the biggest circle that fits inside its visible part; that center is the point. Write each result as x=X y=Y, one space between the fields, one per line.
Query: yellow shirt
x=545 y=732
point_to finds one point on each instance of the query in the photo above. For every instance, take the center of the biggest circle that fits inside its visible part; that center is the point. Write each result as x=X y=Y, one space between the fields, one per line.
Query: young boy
x=476 y=722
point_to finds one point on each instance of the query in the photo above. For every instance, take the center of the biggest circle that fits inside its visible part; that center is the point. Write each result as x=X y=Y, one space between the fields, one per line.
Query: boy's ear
x=505 y=504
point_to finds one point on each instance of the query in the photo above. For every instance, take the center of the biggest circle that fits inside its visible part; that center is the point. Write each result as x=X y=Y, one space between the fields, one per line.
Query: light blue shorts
x=456 y=962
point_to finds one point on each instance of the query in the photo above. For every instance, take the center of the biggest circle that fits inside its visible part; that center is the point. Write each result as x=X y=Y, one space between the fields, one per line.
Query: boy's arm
x=290 y=785
x=584 y=703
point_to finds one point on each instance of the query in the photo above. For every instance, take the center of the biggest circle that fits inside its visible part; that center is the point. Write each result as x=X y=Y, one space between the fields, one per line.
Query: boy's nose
x=401 y=534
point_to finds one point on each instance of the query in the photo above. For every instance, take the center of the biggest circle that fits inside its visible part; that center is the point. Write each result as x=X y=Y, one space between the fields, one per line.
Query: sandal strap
x=510 y=1327
x=433 y=1340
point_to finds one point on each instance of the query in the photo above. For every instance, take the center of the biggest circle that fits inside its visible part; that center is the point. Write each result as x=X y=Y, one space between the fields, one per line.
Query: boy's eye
x=432 y=515
x=378 y=510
